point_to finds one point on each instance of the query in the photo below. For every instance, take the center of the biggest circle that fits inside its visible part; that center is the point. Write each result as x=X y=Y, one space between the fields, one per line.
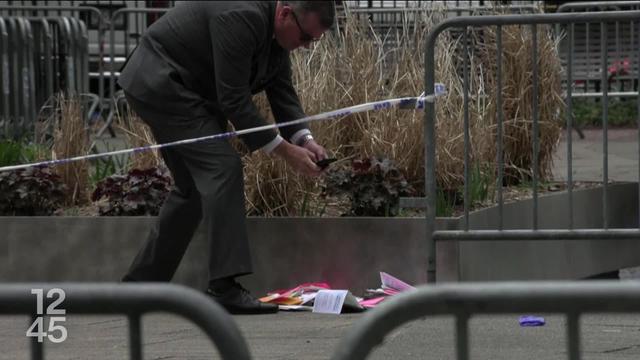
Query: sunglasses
x=304 y=36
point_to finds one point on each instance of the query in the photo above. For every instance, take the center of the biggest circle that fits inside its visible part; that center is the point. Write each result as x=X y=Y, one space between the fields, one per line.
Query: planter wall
x=346 y=252
x=546 y=260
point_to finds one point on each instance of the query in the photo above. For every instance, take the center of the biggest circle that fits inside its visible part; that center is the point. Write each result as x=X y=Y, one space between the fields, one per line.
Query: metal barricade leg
x=4 y=78
x=29 y=80
x=83 y=46
x=23 y=71
x=37 y=347
x=67 y=33
x=15 y=71
x=135 y=337
x=76 y=54
x=133 y=301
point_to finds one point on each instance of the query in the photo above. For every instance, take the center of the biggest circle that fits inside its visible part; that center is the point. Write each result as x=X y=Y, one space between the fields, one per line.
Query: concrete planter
x=546 y=260
x=346 y=252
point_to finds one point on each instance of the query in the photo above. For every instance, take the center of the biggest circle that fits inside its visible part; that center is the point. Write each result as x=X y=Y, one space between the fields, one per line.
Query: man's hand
x=316 y=149
x=300 y=157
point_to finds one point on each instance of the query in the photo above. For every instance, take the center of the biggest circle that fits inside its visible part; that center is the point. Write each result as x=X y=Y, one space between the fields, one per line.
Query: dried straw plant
x=517 y=94
x=355 y=65
x=138 y=134
x=346 y=68
x=70 y=138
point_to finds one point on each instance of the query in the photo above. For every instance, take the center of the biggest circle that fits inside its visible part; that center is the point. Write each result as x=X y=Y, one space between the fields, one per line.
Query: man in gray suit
x=195 y=69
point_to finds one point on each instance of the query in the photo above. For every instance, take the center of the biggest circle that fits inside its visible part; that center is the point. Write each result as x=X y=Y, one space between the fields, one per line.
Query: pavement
x=304 y=335
x=587 y=159
x=312 y=336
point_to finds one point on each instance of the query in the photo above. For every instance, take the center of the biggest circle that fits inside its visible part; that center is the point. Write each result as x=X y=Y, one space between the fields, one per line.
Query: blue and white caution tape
x=403 y=103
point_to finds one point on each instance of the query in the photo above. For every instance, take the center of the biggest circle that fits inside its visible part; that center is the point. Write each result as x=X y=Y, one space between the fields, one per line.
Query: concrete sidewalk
x=314 y=336
x=588 y=156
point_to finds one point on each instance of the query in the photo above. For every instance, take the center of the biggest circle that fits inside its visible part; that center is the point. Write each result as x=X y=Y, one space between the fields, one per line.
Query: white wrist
x=268 y=148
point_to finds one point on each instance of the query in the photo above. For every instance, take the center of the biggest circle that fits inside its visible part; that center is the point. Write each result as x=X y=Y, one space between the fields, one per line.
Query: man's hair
x=326 y=10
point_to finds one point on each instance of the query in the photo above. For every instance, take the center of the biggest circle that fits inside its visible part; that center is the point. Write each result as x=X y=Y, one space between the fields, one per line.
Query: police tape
x=402 y=103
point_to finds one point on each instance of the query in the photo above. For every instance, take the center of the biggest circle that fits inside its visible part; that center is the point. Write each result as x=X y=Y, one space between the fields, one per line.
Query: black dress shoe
x=237 y=300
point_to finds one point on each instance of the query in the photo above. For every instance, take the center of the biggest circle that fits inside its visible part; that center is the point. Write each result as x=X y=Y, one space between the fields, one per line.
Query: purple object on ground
x=530 y=320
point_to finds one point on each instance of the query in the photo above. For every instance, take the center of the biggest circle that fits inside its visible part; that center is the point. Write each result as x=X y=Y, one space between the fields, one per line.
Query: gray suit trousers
x=209 y=187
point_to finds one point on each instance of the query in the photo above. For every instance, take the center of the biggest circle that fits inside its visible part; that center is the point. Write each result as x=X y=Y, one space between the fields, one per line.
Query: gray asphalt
x=314 y=336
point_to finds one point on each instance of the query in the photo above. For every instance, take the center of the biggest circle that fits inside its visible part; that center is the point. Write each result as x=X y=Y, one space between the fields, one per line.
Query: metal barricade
x=83 y=48
x=11 y=67
x=464 y=300
x=621 y=67
x=70 y=43
x=81 y=54
x=395 y=16
x=127 y=48
x=94 y=102
x=28 y=75
x=123 y=52
x=409 y=4
x=132 y=300
x=75 y=12
x=43 y=60
x=466 y=234
x=18 y=93
x=4 y=77
x=41 y=57
x=66 y=52
x=391 y=22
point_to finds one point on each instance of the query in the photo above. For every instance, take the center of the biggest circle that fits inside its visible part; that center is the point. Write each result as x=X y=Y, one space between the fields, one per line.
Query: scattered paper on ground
x=369 y=303
x=320 y=298
x=390 y=282
x=299 y=295
x=329 y=301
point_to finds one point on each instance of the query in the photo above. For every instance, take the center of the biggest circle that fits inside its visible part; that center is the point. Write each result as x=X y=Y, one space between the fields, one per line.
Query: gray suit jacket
x=211 y=56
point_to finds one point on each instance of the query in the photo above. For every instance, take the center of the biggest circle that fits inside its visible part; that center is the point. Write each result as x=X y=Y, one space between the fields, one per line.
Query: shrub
x=19 y=152
x=622 y=112
x=139 y=192
x=10 y=153
x=30 y=192
x=104 y=167
x=373 y=185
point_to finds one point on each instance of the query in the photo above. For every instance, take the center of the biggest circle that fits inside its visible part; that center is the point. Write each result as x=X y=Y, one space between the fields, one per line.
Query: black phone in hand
x=325 y=162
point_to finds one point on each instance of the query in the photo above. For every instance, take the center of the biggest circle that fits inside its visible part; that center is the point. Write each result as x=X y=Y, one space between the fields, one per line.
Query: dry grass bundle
x=351 y=67
x=450 y=114
x=340 y=71
x=271 y=188
x=138 y=134
x=517 y=97
x=70 y=138
x=346 y=68
x=356 y=66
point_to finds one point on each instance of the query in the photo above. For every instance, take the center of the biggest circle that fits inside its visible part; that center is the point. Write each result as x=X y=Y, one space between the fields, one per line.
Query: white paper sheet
x=329 y=301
